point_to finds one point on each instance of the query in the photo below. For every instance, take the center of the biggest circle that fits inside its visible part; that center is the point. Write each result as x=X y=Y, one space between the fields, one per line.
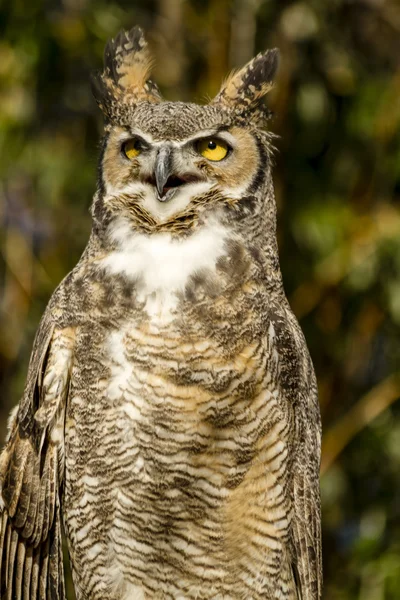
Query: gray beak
x=163 y=170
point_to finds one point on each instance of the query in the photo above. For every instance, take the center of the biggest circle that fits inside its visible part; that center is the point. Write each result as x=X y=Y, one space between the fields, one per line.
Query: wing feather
x=5 y=551
x=28 y=525
x=19 y=569
x=43 y=568
x=35 y=572
x=307 y=511
x=26 y=580
x=56 y=570
x=31 y=471
x=11 y=562
x=297 y=380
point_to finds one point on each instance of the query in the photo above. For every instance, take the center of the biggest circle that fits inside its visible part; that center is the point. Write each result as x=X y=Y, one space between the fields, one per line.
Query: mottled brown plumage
x=170 y=415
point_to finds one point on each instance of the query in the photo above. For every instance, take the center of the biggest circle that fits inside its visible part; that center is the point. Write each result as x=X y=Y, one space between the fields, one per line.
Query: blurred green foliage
x=337 y=178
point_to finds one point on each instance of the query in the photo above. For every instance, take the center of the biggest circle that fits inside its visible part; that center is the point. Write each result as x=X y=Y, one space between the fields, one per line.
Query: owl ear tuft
x=244 y=89
x=127 y=66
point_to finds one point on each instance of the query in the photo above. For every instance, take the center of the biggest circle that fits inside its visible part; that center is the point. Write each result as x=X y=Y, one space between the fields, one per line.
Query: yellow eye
x=212 y=148
x=132 y=148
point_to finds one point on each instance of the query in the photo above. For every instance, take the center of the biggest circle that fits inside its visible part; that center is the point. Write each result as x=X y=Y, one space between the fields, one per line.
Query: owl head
x=169 y=166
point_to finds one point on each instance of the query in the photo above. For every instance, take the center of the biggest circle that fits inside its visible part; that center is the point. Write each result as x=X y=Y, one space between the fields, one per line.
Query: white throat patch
x=161 y=264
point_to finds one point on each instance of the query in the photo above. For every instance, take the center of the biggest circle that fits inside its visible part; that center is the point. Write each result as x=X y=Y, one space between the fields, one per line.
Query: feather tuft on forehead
x=244 y=90
x=127 y=68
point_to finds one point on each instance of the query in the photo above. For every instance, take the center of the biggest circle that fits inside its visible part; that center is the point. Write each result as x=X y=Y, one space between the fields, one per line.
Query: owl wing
x=306 y=495
x=298 y=386
x=31 y=471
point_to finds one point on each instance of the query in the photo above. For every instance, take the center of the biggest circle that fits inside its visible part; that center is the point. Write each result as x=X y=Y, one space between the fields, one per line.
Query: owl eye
x=132 y=148
x=212 y=148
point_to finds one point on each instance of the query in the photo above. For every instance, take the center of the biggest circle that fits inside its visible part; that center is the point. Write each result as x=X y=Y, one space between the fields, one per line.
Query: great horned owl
x=170 y=415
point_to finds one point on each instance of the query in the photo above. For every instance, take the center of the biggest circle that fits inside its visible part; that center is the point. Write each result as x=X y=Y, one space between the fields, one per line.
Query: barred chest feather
x=184 y=473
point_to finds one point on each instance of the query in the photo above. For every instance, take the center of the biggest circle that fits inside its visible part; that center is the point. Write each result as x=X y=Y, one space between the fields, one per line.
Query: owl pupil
x=212 y=145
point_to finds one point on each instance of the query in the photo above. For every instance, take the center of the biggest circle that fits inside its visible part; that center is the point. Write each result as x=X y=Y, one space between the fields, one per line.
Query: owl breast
x=176 y=454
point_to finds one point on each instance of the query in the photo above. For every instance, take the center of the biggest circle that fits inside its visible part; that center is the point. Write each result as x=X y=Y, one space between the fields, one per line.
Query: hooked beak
x=162 y=171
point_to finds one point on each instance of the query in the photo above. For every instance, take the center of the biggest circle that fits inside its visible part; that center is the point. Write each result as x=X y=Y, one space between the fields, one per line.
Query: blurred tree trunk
x=169 y=46
x=243 y=31
x=218 y=43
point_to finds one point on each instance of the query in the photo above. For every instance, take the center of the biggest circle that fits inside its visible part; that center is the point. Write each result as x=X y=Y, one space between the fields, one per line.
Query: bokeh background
x=337 y=179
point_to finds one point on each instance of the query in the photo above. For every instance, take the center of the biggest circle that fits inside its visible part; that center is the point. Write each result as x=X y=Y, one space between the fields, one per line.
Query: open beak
x=162 y=171
x=167 y=182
